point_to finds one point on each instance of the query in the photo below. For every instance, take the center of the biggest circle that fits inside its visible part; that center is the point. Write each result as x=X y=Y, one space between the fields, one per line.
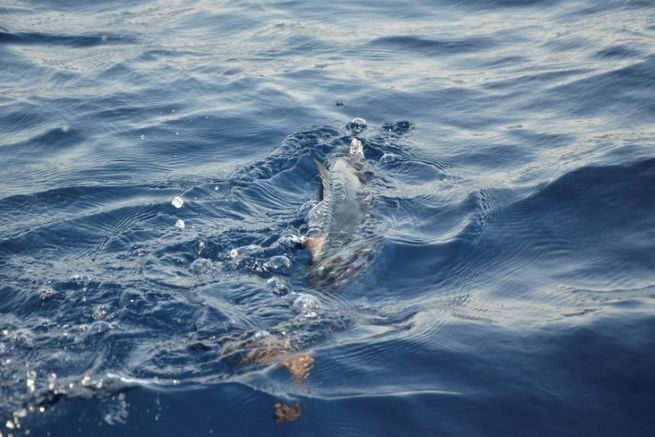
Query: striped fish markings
x=343 y=242
x=341 y=212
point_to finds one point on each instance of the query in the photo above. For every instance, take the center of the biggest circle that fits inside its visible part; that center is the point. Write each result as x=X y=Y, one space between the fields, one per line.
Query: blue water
x=509 y=176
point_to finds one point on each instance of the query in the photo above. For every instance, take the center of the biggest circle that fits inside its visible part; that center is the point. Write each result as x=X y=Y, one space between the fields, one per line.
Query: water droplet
x=177 y=202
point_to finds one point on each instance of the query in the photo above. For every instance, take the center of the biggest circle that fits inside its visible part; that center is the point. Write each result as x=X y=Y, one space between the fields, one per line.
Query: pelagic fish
x=340 y=249
x=337 y=241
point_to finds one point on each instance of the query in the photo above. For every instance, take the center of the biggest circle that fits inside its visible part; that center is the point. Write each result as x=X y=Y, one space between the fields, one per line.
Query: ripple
x=503 y=277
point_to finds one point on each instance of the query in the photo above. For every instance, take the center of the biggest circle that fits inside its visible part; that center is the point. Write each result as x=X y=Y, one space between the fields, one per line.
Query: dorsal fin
x=325 y=181
x=315 y=247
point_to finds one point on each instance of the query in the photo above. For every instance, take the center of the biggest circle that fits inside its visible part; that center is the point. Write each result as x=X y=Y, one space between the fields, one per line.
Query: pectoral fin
x=315 y=246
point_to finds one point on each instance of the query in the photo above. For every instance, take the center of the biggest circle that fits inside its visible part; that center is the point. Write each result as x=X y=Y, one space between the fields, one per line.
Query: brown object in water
x=286 y=412
x=299 y=366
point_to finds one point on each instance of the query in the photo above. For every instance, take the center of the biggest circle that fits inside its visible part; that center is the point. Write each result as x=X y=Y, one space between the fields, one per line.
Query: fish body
x=342 y=241
x=341 y=210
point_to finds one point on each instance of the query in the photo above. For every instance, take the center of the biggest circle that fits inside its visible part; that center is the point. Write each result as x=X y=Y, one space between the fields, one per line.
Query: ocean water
x=508 y=284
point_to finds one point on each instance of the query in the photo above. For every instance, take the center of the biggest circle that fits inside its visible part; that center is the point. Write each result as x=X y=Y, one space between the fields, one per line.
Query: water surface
x=509 y=173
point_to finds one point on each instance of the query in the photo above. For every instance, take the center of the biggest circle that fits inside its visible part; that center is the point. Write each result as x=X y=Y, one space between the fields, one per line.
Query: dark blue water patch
x=222 y=24
x=558 y=227
x=541 y=406
x=585 y=11
x=459 y=107
x=541 y=140
x=564 y=43
x=296 y=44
x=53 y=142
x=504 y=62
x=526 y=83
x=77 y=41
x=15 y=117
x=546 y=232
x=620 y=93
x=433 y=47
x=618 y=52
x=493 y=4
x=502 y=155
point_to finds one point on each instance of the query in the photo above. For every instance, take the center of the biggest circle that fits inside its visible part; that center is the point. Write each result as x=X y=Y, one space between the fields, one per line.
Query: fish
x=339 y=251
x=339 y=246
x=341 y=211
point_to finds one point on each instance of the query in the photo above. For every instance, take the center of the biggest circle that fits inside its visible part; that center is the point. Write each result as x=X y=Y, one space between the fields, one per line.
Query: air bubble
x=100 y=313
x=244 y=250
x=307 y=305
x=202 y=265
x=277 y=286
x=277 y=263
x=99 y=327
x=357 y=125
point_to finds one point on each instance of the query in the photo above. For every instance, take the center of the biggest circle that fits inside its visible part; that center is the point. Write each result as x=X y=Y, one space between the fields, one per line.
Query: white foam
x=177 y=202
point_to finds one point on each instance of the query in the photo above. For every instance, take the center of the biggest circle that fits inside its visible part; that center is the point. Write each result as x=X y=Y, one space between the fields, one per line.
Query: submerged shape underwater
x=483 y=265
